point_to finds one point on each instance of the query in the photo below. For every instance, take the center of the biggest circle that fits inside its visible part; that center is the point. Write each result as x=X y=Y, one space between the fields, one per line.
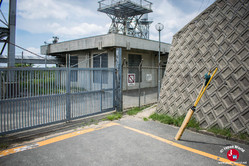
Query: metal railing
x=31 y=97
x=108 y=3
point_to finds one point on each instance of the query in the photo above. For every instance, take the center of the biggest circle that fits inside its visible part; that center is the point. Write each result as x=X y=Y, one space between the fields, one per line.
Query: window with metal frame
x=100 y=61
x=74 y=63
x=133 y=62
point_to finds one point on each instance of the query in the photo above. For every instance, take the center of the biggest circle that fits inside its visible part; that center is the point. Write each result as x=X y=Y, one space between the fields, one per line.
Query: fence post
x=144 y=98
x=101 y=85
x=68 y=104
x=119 y=88
x=139 y=77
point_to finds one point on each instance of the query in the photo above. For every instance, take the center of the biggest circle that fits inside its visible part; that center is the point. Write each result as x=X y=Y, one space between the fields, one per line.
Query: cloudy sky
x=39 y=20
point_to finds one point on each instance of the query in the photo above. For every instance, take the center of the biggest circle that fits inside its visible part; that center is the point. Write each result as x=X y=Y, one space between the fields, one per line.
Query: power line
x=200 y=6
x=31 y=52
x=207 y=4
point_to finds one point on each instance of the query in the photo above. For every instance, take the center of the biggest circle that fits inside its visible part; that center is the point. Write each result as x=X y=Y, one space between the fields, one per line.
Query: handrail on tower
x=126 y=16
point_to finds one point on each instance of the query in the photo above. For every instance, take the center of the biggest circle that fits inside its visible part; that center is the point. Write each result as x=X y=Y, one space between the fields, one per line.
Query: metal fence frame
x=141 y=83
x=22 y=106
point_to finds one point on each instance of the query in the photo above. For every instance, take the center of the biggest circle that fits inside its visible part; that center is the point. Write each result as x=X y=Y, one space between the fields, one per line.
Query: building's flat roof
x=104 y=41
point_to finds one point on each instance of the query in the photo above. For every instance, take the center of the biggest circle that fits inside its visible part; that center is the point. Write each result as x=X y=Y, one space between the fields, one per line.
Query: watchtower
x=129 y=17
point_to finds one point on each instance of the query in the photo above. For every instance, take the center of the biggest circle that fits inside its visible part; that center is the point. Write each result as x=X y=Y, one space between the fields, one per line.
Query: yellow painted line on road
x=220 y=159
x=53 y=140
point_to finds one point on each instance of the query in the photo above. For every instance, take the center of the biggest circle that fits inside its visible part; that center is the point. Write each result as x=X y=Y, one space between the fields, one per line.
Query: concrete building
x=99 y=52
x=218 y=37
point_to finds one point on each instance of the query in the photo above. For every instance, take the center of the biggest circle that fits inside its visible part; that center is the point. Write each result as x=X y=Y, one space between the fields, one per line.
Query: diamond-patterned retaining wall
x=219 y=36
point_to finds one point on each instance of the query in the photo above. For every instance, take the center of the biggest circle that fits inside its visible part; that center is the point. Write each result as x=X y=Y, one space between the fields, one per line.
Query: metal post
x=139 y=88
x=12 y=33
x=101 y=85
x=68 y=104
x=22 y=60
x=45 y=61
x=158 y=93
x=159 y=27
x=119 y=88
x=144 y=98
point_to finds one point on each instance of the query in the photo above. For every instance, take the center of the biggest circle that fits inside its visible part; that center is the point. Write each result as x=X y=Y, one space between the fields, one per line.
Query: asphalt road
x=129 y=141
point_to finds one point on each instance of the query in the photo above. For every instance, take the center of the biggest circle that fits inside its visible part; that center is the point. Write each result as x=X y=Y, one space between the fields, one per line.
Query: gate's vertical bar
x=4 y=121
x=18 y=95
x=50 y=82
x=16 y=83
x=1 y=114
x=113 y=88
x=22 y=114
x=139 y=78
x=43 y=79
x=101 y=83
x=68 y=82
x=30 y=84
x=19 y=84
x=1 y=88
x=7 y=86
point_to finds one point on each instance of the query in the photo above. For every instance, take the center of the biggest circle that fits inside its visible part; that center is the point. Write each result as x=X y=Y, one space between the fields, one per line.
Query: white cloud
x=76 y=19
x=171 y=16
x=61 y=18
x=33 y=50
x=81 y=29
x=49 y=9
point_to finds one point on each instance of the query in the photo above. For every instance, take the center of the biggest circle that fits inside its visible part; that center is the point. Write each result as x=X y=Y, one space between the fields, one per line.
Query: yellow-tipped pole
x=191 y=111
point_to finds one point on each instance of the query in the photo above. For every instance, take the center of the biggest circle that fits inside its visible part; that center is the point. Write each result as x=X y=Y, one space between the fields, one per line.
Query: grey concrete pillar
x=119 y=88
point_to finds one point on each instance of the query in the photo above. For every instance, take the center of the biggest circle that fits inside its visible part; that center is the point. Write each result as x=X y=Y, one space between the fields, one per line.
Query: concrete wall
x=218 y=37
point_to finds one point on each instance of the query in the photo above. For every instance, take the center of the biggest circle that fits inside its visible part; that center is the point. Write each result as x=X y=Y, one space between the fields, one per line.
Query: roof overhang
x=104 y=41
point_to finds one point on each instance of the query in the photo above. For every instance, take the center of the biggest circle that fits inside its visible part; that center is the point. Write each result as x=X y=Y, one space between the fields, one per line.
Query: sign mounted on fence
x=148 y=77
x=131 y=79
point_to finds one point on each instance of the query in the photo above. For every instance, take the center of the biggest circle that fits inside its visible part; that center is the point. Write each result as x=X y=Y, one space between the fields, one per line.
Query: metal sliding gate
x=32 y=97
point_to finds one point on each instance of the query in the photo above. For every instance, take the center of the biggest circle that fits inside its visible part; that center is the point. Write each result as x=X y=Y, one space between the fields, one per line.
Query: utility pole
x=12 y=33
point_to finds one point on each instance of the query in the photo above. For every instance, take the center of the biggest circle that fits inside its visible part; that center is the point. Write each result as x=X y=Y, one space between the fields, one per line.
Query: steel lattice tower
x=128 y=17
x=8 y=31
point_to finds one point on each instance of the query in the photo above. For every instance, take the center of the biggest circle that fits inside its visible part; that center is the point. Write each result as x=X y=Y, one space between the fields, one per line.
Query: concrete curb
x=205 y=132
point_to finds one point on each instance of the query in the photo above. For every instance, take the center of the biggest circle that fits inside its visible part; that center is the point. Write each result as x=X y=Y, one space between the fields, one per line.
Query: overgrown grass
x=228 y=133
x=243 y=136
x=145 y=119
x=4 y=145
x=218 y=131
x=135 y=110
x=177 y=121
x=114 y=116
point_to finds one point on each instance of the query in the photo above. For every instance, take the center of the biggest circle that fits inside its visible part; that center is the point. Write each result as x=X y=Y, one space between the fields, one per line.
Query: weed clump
x=135 y=110
x=193 y=123
x=177 y=121
x=114 y=116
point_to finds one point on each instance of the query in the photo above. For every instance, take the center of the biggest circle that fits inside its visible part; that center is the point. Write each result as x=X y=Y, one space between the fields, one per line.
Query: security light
x=159 y=26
